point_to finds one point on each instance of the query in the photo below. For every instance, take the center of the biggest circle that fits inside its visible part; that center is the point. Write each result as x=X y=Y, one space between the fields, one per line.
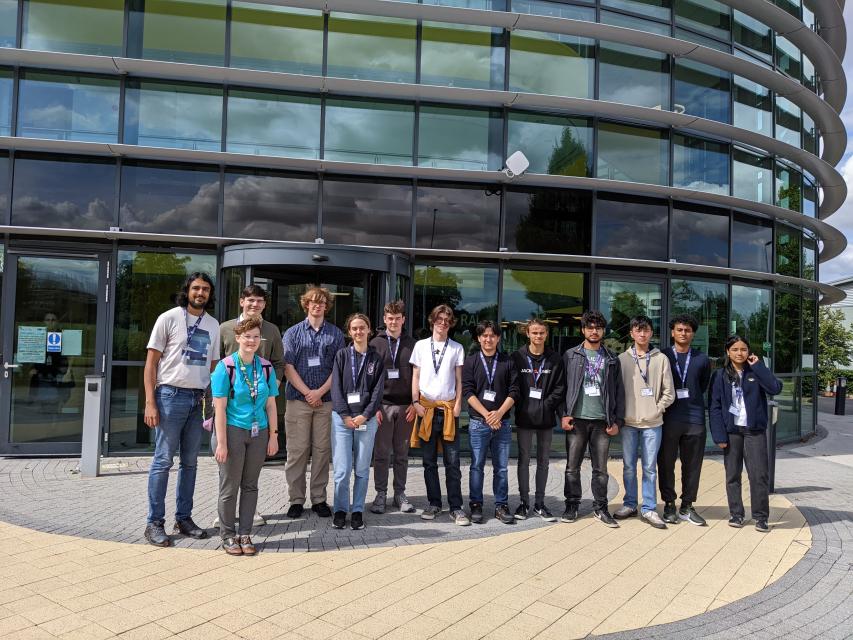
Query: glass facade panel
x=270 y=206
x=631 y=75
x=789 y=186
x=632 y=154
x=553 y=9
x=168 y=198
x=67 y=193
x=94 y=27
x=809 y=326
x=457 y=55
x=753 y=107
x=708 y=302
x=751 y=318
x=787 y=358
x=179 y=116
x=271 y=38
x=708 y=16
x=4 y=195
x=809 y=196
x=6 y=87
x=753 y=35
x=700 y=165
x=650 y=8
x=753 y=176
x=369 y=132
x=619 y=301
x=371 y=47
x=273 y=124
x=166 y=25
x=552 y=64
x=809 y=74
x=788 y=421
x=810 y=134
x=788 y=58
x=634 y=22
x=788 y=121
x=367 y=213
x=788 y=250
x=548 y=221
x=453 y=138
x=631 y=227
x=68 y=107
x=809 y=257
x=791 y=6
x=701 y=90
x=752 y=243
x=554 y=145
x=450 y=216
x=8 y=22
x=700 y=235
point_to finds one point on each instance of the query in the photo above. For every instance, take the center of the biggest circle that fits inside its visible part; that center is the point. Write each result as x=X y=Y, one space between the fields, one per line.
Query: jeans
x=748 y=447
x=179 y=432
x=351 y=447
x=239 y=474
x=543 y=455
x=592 y=434
x=685 y=441
x=452 y=472
x=484 y=439
x=392 y=448
x=645 y=444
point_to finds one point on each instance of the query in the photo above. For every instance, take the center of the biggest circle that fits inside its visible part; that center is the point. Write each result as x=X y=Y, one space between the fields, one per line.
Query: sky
x=842 y=266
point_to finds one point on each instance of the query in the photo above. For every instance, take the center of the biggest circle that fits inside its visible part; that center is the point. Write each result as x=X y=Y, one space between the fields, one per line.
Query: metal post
x=90 y=453
x=840 y=396
x=772 y=415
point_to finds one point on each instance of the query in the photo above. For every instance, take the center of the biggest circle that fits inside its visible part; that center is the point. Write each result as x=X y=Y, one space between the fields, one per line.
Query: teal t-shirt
x=242 y=411
x=591 y=407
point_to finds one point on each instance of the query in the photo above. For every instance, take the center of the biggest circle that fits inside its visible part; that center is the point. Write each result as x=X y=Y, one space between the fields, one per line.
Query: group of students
x=373 y=399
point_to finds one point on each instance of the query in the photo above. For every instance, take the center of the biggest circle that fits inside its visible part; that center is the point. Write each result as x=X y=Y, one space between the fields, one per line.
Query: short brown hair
x=253 y=290
x=247 y=324
x=442 y=308
x=538 y=322
x=357 y=316
x=395 y=307
x=315 y=293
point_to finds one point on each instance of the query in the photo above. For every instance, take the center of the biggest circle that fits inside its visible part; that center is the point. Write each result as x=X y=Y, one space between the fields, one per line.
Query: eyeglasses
x=442 y=321
x=596 y=329
x=317 y=303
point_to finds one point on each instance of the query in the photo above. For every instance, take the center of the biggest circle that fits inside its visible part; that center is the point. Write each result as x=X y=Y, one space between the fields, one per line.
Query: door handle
x=6 y=365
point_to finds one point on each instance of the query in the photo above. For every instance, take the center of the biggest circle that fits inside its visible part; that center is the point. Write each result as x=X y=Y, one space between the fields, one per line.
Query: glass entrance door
x=54 y=337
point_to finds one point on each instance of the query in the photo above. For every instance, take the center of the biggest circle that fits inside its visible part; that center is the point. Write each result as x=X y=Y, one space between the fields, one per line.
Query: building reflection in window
x=708 y=302
x=362 y=212
x=750 y=318
x=620 y=300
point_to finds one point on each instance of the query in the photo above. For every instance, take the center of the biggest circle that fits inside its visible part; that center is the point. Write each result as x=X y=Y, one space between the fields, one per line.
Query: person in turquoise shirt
x=246 y=431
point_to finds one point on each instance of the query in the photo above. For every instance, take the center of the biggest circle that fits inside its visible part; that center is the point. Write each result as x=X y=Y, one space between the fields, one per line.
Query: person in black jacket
x=541 y=391
x=358 y=382
x=490 y=385
x=738 y=418
x=593 y=412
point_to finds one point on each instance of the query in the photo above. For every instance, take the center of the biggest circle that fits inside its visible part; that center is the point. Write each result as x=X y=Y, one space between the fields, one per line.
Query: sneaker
x=623 y=512
x=295 y=511
x=247 y=546
x=543 y=512
x=652 y=518
x=156 y=535
x=762 y=526
x=379 y=503
x=670 y=513
x=460 y=518
x=356 y=521
x=258 y=520
x=232 y=547
x=189 y=528
x=430 y=512
x=476 y=512
x=570 y=514
x=340 y=520
x=502 y=513
x=688 y=514
x=736 y=522
x=322 y=510
x=403 y=504
x=522 y=511
x=605 y=517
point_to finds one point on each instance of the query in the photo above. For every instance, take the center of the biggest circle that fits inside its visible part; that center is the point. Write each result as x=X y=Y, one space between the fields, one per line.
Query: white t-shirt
x=185 y=365
x=740 y=419
x=441 y=385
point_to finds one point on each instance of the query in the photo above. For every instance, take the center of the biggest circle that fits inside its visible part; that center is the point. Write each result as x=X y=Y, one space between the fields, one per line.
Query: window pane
x=6 y=84
x=708 y=302
x=273 y=124
x=632 y=154
x=810 y=134
x=788 y=250
x=788 y=58
x=752 y=243
x=457 y=55
x=708 y=16
x=787 y=424
x=453 y=138
x=94 y=27
x=619 y=301
x=72 y=193
x=809 y=326
x=270 y=206
x=552 y=64
x=791 y=6
x=375 y=133
x=371 y=47
x=180 y=116
x=650 y=8
x=753 y=107
x=634 y=76
x=271 y=38
x=553 y=9
x=753 y=35
x=809 y=196
x=788 y=124
x=753 y=177
x=548 y=221
x=702 y=91
x=367 y=213
x=809 y=257
x=68 y=107
x=631 y=227
x=700 y=165
x=8 y=22
x=787 y=358
x=453 y=217
x=166 y=25
x=554 y=145
x=789 y=185
x=557 y=298
x=168 y=198
x=4 y=195
x=751 y=318
x=809 y=74
x=700 y=235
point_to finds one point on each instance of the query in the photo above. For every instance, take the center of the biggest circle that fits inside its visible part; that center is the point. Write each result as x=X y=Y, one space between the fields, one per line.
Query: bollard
x=90 y=451
x=840 y=396
x=772 y=417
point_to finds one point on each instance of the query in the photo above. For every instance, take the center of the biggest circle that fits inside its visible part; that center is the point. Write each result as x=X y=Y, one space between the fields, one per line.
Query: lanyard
x=355 y=374
x=490 y=377
x=536 y=373
x=681 y=375
x=393 y=350
x=738 y=388
x=644 y=376
x=593 y=370
x=191 y=330
x=315 y=338
x=254 y=387
x=437 y=365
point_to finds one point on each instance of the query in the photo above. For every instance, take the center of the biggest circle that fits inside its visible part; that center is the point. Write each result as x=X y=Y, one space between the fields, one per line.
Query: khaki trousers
x=309 y=435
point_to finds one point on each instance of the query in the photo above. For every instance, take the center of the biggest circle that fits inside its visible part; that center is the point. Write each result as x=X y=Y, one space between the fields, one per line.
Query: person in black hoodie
x=358 y=376
x=490 y=385
x=541 y=390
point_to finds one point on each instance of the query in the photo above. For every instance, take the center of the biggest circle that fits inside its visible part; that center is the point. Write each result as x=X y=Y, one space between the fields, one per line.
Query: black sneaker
x=761 y=526
x=688 y=514
x=670 y=513
x=295 y=511
x=190 y=529
x=476 y=512
x=321 y=509
x=502 y=513
x=736 y=522
x=340 y=520
x=543 y=512
x=156 y=535
x=522 y=511
x=606 y=519
x=356 y=521
x=570 y=514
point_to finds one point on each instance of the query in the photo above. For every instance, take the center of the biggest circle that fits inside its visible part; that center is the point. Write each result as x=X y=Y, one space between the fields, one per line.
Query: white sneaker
x=403 y=504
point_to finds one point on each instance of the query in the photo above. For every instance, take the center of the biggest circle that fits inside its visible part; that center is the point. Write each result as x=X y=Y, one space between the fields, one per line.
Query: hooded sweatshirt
x=644 y=411
x=539 y=413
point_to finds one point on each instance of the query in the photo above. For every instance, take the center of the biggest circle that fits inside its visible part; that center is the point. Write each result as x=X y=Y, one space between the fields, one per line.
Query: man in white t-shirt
x=182 y=351
x=437 y=397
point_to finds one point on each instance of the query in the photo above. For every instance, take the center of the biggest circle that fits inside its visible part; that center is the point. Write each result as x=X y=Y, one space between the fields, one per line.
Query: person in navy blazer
x=738 y=417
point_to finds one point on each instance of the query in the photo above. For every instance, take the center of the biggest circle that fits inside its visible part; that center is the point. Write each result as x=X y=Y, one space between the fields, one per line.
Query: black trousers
x=685 y=441
x=748 y=447
x=592 y=434
x=543 y=454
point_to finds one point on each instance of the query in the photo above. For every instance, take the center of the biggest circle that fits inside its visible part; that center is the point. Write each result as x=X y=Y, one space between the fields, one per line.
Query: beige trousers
x=309 y=435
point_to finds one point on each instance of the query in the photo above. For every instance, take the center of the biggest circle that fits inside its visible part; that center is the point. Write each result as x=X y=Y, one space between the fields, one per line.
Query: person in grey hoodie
x=648 y=390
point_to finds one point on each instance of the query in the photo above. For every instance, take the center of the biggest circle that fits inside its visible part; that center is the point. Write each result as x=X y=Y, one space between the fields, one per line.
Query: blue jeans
x=179 y=432
x=452 y=472
x=344 y=441
x=643 y=443
x=483 y=439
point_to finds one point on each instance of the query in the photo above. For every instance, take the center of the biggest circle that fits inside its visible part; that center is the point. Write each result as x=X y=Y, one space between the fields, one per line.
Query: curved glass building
x=682 y=159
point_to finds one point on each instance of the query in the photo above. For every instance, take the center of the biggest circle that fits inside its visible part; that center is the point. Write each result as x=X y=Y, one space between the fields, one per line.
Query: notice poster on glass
x=32 y=343
x=72 y=342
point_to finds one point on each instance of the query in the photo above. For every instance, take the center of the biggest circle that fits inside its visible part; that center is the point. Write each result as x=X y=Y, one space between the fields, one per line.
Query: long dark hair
x=183 y=299
x=728 y=367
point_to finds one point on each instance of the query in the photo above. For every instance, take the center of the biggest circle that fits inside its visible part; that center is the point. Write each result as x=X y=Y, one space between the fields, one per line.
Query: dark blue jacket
x=758 y=383
x=690 y=410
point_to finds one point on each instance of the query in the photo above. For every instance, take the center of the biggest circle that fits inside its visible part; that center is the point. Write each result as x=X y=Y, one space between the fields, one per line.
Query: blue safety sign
x=54 y=341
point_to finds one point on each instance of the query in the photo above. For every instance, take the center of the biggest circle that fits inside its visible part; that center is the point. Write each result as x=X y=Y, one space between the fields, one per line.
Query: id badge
x=647 y=392
x=256 y=429
x=314 y=362
x=592 y=390
x=489 y=395
x=536 y=394
x=353 y=398
x=734 y=410
x=393 y=374
x=681 y=394
x=362 y=427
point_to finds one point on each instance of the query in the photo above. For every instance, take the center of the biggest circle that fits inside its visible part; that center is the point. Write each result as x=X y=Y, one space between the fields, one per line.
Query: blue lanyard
x=315 y=338
x=355 y=374
x=437 y=365
x=644 y=376
x=191 y=330
x=536 y=373
x=681 y=375
x=394 y=350
x=490 y=377
x=254 y=388
x=593 y=370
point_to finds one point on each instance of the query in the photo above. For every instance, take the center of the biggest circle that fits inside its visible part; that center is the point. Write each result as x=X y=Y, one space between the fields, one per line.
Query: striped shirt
x=301 y=343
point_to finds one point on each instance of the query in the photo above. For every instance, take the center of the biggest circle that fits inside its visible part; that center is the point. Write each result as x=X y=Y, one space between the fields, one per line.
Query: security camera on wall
x=516 y=165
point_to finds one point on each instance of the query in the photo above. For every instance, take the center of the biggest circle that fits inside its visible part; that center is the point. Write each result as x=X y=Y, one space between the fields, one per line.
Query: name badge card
x=646 y=392
x=353 y=398
x=393 y=374
x=489 y=395
x=256 y=428
x=314 y=361
x=362 y=427
x=734 y=410
x=536 y=394
x=592 y=390
x=681 y=394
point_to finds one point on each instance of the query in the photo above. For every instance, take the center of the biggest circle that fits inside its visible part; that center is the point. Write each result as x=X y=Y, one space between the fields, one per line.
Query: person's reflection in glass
x=49 y=389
